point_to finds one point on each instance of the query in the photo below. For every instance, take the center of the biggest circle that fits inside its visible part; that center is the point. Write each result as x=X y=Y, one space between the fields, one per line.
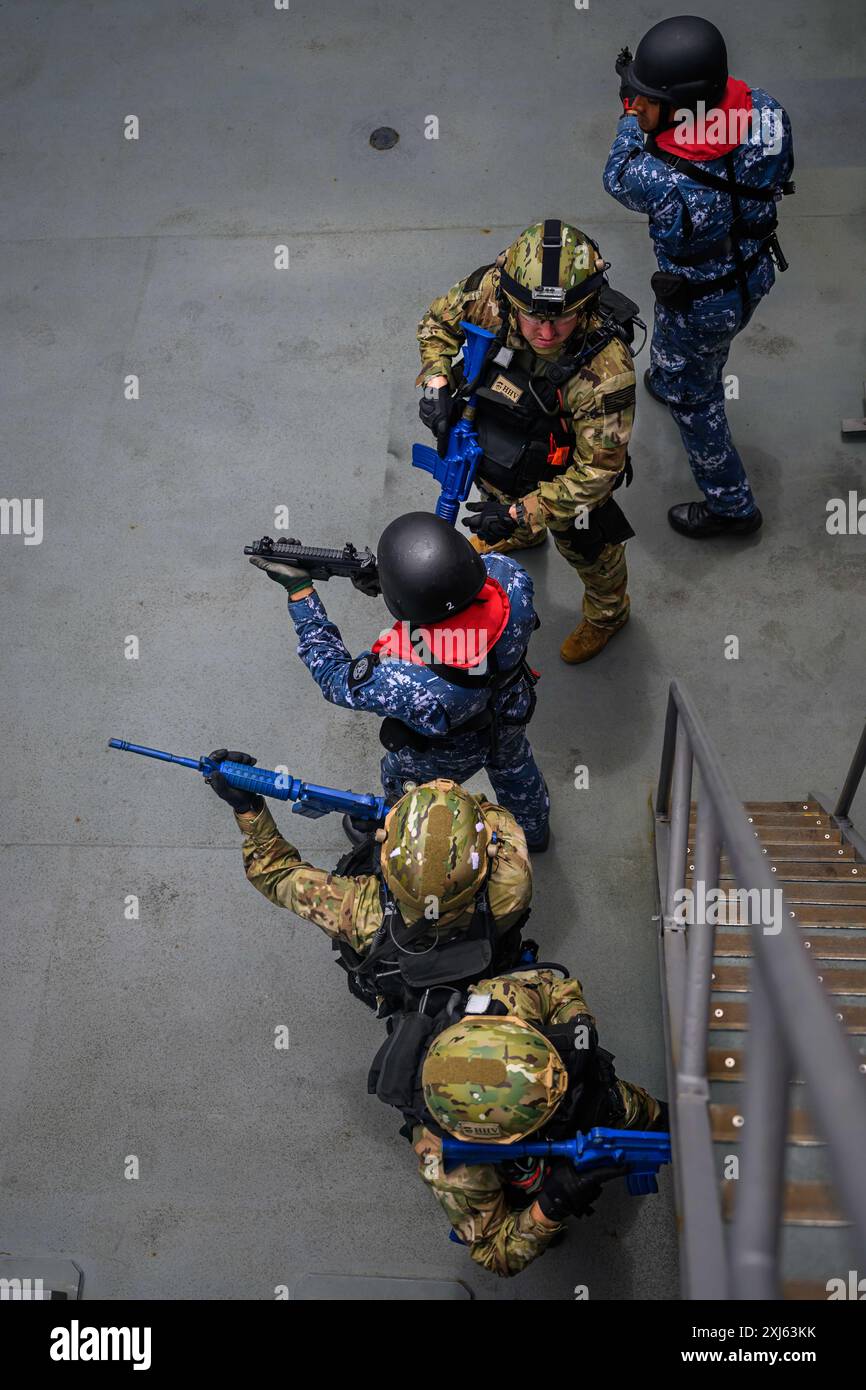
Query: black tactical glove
x=238 y=800
x=437 y=410
x=568 y=1192
x=623 y=60
x=492 y=522
x=368 y=582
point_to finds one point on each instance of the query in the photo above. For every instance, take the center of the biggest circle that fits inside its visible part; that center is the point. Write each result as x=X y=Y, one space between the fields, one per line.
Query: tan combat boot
x=587 y=641
x=504 y=547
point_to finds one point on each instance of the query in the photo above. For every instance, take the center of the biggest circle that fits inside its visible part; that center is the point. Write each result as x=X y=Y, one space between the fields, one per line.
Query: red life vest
x=462 y=640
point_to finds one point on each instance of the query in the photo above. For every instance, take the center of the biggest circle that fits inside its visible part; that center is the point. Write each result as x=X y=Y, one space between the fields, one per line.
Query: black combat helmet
x=427 y=570
x=680 y=61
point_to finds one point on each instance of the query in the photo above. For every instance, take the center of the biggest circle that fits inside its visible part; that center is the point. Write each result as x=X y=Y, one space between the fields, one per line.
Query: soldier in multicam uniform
x=523 y=1059
x=450 y=680
x=555 y=411
x=439 y=895
x=710 y=194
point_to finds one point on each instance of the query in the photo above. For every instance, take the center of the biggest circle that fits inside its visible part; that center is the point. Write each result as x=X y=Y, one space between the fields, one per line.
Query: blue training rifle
x=640 y=1151
x=454 y=473
x=309 y=799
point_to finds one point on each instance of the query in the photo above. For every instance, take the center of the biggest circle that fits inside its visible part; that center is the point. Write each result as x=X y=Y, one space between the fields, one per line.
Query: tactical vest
x=519 y=415
x=395 y=735
x=406 y=966
x=592 y=1097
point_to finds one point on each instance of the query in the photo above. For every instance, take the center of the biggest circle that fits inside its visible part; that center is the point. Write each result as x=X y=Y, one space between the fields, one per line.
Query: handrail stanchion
x=852 y=781
x=663 y=794
x=681 y=796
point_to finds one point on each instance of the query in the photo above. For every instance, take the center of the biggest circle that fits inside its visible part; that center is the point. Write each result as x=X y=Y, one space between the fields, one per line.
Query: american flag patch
x=618 y=400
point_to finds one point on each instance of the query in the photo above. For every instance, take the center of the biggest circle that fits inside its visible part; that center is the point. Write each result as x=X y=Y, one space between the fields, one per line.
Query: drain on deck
x=384 y=138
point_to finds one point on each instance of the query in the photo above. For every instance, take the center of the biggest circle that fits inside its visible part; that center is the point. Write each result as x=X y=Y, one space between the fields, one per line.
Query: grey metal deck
x=259 y=1168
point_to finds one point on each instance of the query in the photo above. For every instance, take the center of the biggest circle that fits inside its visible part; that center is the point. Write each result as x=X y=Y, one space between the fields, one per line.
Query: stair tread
x=727 y=1064
x=732 y=912
x=801 y=853
x=804 y=1203
x=733 y=1015
x=825 y=944
x=727 y=1125
x=784 y=806
x=839 y=888
x=788 y=834
x=848 y=980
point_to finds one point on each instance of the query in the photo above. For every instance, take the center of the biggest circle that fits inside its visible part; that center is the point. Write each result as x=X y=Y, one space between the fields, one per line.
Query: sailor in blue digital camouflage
x=706 y=158
x=450 y=680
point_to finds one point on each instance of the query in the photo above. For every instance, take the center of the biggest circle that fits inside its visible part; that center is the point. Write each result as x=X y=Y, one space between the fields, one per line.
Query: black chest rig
x=519 y=415
x=592 y=1098
x=408 y=965
x=489 y=721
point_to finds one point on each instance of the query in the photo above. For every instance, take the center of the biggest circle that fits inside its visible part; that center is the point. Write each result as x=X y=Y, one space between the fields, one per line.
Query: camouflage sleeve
x=564 y=999
x=498 y=1237
x=538 y=996
x=346 y=907
x=600 y=401
x=509 y=886
x=439 y=336
x=640 y=1109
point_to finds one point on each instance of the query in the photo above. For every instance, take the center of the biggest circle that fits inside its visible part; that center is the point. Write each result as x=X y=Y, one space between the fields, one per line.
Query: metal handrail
x=793 y=1028
x=852 y=781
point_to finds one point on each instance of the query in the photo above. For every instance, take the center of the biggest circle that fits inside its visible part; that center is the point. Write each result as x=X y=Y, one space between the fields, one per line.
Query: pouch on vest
x=513 y=422
x=607 y=526
x=395 y=1066
x=671 y=291
x=615 y=305
x=395 y=736
x=510 y=457
x=603 y=1103
x=455 y=960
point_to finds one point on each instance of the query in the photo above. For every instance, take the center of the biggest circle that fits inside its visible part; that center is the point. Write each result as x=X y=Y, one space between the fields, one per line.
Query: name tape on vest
x=507 y=388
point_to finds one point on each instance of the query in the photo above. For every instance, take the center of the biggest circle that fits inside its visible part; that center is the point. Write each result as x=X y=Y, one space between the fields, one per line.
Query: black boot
x=696 y=520
x=539 y=846
x=647 y=381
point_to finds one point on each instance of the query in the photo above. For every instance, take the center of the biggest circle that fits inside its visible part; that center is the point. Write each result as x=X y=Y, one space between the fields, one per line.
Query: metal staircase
x=765 y=1017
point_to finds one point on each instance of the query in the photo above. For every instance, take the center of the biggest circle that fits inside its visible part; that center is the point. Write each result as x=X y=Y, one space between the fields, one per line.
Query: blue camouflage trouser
x=687 y=357
x=513 y=773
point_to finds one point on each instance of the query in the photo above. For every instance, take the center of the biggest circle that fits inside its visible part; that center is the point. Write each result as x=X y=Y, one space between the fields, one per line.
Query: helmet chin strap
x=667 y=111
x=666 y=117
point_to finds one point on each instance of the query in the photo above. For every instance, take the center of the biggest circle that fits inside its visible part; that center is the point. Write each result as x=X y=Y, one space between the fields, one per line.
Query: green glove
x=289 y=576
